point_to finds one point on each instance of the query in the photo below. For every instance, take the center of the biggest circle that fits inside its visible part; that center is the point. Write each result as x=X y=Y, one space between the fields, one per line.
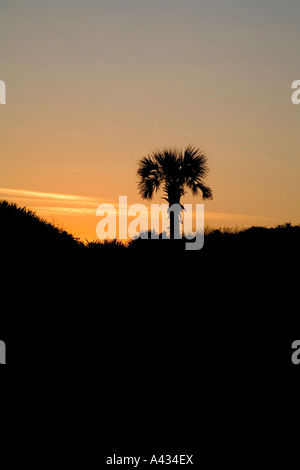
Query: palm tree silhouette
x=174 y=170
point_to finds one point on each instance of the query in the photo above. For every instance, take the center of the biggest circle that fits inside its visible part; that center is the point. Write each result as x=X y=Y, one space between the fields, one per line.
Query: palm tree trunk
x=174 y=211
x=172 y=225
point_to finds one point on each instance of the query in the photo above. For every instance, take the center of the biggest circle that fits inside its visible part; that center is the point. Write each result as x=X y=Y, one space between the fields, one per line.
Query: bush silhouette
x=21 y=228
x=23 y=232
x=147 y=300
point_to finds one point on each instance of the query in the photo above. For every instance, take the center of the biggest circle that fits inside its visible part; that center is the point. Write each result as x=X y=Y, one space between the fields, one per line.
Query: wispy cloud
x=52 y=203
x=75 y=135
x=59 y=204
x=41 y=195
x=52 y=210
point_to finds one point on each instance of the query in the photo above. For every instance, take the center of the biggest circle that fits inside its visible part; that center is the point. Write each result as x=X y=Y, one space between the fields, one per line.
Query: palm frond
x=174 y=170
x=149 y=177
x=194 y=163
x=206 y=191
x=195 y=170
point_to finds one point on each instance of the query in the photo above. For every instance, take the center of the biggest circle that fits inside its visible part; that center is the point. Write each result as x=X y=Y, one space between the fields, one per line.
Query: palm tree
x=174 y=171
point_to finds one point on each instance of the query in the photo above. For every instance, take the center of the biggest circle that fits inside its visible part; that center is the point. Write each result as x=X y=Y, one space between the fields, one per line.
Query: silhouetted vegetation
x=24 y=233
x=21 y=228
x=147 y=300
x=174 y=171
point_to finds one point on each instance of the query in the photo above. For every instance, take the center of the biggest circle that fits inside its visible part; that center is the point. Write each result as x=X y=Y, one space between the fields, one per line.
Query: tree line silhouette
x=148 y=300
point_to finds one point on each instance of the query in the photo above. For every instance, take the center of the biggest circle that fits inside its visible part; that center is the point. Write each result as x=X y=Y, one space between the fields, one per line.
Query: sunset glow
x=93 y=86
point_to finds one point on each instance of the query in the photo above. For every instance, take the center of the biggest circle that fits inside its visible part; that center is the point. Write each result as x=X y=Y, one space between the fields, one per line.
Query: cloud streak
x=47 y=204
x=71 y=136
x=75 y=211
x=41 y=195
x=52 y=203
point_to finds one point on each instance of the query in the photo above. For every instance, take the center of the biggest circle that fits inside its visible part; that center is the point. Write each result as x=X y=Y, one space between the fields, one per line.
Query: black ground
x=175 y=348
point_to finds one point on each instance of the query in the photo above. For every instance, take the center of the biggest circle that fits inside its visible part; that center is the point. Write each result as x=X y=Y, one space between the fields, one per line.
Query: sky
x=93 y=85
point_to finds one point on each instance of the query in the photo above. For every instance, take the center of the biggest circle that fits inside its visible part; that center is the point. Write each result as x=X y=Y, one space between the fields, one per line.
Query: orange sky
x=94 y=85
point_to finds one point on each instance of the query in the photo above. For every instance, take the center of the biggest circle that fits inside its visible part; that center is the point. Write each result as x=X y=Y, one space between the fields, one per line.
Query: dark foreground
x=172 y=348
